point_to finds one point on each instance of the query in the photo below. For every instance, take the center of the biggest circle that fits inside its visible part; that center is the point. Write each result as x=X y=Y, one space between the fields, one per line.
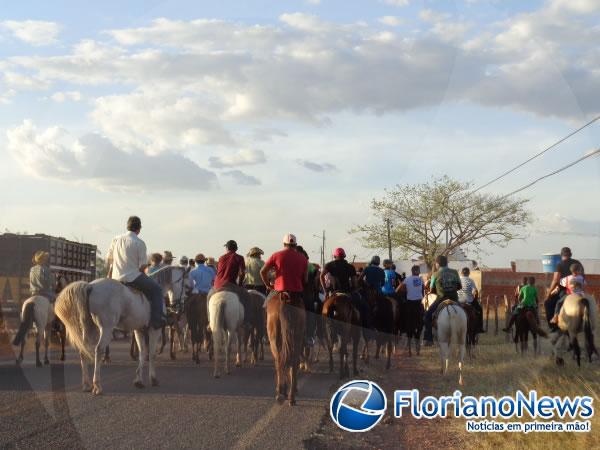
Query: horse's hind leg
x=153 y=336
x=461 y=358
x=444 y=353
x=141 y=356
x=172 y=336
x=47 y=332
x=63 y=338
x=85 y=374
x=103 y=341
x=38 y=342
x=389 y=354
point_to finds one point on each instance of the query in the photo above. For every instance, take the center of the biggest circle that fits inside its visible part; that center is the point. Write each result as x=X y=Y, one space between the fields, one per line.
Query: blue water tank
x=549 y=262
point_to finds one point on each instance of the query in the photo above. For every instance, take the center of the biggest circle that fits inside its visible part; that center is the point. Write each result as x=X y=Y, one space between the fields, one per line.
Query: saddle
x=290 y=297
x=444 y=304
x=330 y=302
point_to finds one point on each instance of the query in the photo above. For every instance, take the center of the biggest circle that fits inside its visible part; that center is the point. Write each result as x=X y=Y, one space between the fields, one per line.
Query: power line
x=560 y=141
x=577 y=161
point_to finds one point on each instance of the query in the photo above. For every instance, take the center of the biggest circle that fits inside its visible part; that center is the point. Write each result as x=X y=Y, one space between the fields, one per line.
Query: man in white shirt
x=415 y=288
x=126 y=256
x=469 y=295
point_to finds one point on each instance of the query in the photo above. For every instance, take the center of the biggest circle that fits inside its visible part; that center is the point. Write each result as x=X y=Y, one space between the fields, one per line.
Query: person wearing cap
x=168 y=258
x=41 y=278
x=126 y=257
x=391 y=279
x=291 y=269
x=344 y=279
x=202 y=277
x=231 y=270
x=556 y=291
x=254 y=264
x=373 y=276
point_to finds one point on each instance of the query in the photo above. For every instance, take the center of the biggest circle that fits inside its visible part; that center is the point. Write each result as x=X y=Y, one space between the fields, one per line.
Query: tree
x=438 y=217
x=101 y=266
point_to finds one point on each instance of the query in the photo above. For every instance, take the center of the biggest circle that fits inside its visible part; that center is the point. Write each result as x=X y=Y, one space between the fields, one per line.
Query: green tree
x=423 y=216
x=101 y=267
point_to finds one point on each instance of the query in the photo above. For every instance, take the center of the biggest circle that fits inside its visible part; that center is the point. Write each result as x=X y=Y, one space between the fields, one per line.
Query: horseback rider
x=41 y=279
x=126 y=256
x=344 y=276
x=202 y=277
x=415 y=288
x=167 y=258
x=311 y=296
x=254 y=264
x=231 y=270
x=575 y=279
x=529 y=299
x=445 y=284
x=470 y=295
x=373 y=276
x=291 y=269
x=556 y=291
x=391 y=279
x=155 y=263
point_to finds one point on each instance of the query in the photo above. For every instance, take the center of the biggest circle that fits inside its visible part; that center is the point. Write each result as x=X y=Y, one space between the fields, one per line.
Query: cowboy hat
x=210 y=261
x=39 y=256
x=255 y=251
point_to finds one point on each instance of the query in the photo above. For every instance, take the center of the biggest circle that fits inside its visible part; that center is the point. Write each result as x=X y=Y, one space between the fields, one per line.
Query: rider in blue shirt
x=202 y=277
x=389 y=286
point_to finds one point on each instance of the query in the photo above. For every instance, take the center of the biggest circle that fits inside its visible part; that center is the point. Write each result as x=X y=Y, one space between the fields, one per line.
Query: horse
x=472 y=327
x=577 y=315
x=38 y=310
x=90 y=312
x=254 y=326
x=383 y=321
x=525 y=323
x=343 y=320
x=226 y=316
x=286 y=322
x=451 y=329
x=175 y=314
x=57 y=326
x=196 y=311
x=411 y=313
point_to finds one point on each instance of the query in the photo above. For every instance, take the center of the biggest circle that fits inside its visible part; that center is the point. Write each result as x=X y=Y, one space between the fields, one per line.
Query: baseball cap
x=289 y=239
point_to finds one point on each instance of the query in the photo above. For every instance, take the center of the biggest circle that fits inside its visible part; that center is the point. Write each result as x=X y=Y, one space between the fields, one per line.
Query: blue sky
x=246 y=120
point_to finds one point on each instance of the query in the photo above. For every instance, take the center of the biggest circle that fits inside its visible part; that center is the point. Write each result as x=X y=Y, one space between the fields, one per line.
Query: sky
x=249 y=120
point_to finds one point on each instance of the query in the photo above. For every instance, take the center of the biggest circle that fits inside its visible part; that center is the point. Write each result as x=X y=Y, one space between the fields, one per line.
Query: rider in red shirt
x=230 y=272
x=290 y=269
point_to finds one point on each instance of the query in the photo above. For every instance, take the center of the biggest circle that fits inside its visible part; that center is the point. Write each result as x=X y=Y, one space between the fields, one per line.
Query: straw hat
x=40 y=256
x=210 y=261
x=255 y=251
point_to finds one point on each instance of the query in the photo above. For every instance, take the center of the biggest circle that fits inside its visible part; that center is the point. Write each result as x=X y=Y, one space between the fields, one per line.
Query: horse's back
x=232 y=309
x=571 y=309
x=452 y=321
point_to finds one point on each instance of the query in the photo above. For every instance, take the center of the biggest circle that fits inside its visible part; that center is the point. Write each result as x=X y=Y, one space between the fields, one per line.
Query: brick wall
x=501 y=282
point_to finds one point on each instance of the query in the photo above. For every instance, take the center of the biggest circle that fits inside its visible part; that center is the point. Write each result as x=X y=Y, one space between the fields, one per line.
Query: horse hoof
x=86 y=388
x=560 y=362
x=97 y=390
x=216 y=375
x=46 y=361
x=279 y=398
x=154 y=382
x=18 y=362
x=62 y=357
x=238 y=364
x=292 y=402
x=139 y=384
x=39 y=364
x=173 y=357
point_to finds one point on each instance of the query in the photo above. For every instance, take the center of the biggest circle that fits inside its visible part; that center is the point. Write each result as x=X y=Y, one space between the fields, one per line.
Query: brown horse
x=472 y=327
x=343 y=320
x=196 y=311
x=254 y=326
x=286 y=321
x=411 y=313
x=526 y=323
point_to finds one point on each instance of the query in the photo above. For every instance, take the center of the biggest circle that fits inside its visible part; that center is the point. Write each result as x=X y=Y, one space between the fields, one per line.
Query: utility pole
x=323 y=251
x=389 y=237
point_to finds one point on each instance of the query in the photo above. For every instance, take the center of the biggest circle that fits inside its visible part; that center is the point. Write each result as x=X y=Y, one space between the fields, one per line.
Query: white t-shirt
x=127 y=253
x=414 y=288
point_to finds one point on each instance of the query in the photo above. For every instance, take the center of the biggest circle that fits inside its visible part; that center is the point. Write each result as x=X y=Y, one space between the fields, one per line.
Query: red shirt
x=290 y=268
x=229 y=267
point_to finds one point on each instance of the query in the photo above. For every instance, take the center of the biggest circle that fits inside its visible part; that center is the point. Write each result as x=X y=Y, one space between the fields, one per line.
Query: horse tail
x=26 y=322
x=289 y=337
x=587 y=328
x=73 y=309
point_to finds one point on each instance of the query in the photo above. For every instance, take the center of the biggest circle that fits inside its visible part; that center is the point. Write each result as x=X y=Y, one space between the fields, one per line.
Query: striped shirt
x=465 y=295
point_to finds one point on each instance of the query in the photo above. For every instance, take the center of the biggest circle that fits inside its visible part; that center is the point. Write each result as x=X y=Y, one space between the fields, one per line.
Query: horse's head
x=173 y=281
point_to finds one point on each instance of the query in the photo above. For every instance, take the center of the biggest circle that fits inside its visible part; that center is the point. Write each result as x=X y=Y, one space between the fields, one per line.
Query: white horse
x=226 y=317
x=452 y=329
x=38 y=310
x=90 y=312
x=577 y=315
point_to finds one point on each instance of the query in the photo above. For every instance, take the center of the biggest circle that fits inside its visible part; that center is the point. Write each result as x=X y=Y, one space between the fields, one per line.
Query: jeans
x=154 y=294
x=428 y=335
x=550 y=307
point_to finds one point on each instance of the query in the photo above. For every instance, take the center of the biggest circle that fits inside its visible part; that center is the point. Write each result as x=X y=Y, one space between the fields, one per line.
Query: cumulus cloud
x=242 y=178
x=558 y=224
x=34 y=32
x=317 y=167
x=60 y=97
x=391 y=21
x=93 y=160
x=399 y=3
x=244 y=157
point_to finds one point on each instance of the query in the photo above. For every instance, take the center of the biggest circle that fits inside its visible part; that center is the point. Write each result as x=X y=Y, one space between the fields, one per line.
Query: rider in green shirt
x=529 y=299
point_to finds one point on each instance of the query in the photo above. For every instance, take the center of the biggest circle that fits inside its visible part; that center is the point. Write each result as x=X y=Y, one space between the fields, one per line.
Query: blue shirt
x=202 y=278
x=388 y=285
x=374 y=276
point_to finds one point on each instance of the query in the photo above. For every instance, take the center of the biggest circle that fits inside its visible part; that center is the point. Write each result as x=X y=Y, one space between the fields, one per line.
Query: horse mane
x=163 y=276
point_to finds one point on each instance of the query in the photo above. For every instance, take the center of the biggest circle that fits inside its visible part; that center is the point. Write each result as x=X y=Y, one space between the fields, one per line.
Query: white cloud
x=399 y=3
x=34 y=32
x=60 y=97
x=242 y=178
x=313 y=2
x=244 y=157
x=93 y=160
x=391 y=21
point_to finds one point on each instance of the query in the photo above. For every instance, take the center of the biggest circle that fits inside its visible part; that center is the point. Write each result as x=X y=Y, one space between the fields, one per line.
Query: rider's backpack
x=448 y=280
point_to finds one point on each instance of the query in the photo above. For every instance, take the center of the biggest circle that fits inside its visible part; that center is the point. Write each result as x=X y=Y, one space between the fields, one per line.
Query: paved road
x=43 y=407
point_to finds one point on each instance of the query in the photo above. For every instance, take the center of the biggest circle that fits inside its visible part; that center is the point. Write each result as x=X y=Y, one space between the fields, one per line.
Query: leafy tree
x=423 y=216
x=101 y=267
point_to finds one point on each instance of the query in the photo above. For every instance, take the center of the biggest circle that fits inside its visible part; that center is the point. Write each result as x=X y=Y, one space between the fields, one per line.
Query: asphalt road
x=45 y=408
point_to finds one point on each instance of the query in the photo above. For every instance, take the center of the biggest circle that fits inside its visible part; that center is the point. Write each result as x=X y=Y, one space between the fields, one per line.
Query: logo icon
x=373 y=404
